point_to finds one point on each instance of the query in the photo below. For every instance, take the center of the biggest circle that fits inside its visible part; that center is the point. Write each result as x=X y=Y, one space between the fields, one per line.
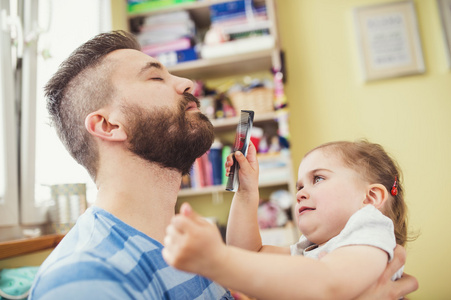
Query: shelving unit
x=244 y=63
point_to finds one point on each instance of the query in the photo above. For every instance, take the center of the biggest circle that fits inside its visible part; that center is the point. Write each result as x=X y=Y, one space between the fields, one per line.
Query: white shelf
x=224 y=66
x=221 y=188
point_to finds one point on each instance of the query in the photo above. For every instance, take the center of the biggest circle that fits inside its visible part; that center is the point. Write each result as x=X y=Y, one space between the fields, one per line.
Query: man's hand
x=385 y=288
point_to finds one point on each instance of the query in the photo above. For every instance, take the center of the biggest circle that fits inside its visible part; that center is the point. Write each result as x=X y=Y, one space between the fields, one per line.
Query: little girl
x=349 y=197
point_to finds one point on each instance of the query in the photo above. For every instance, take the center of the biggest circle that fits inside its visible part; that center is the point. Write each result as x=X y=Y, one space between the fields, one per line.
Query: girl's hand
x=192 y=243
x=248 y=172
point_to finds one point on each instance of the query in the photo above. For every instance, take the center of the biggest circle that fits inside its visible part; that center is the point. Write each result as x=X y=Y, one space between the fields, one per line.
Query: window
x=8 y=121
x=58 y=27
x=72 y=23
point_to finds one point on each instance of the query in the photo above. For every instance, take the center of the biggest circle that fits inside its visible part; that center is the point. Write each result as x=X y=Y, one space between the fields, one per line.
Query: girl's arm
x=242 y=226
x=194 y=245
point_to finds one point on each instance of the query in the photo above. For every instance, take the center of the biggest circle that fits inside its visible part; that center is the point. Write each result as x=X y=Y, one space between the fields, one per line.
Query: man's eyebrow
x=150 y=65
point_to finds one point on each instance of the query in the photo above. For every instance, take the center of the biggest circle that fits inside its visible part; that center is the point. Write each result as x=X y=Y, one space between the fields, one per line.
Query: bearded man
x=136 y=129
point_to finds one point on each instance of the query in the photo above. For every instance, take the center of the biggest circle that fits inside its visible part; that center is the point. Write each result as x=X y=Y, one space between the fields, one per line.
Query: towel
x=16 y=283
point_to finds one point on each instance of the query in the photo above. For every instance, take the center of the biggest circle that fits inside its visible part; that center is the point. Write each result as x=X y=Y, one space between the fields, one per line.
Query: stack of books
x=142 y=6
x=168 y=37
x=209 y=169
x=245 y=27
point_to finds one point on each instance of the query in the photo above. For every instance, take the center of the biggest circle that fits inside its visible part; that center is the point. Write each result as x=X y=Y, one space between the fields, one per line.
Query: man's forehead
x=121 y=53
x=130 y=57
x=132 y=60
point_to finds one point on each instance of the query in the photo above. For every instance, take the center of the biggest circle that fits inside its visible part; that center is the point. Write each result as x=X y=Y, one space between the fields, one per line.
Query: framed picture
x=444 y=7
x=388 y=40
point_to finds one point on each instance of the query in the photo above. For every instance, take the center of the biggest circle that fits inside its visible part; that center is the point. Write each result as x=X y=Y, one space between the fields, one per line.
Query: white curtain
x=61 y=26
x=72 y=23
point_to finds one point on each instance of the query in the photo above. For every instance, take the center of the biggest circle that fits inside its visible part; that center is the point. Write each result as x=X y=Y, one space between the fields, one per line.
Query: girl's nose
x=301 y=195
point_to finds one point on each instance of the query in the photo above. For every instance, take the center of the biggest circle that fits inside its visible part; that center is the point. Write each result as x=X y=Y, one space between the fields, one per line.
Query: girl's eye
x=156 y=78
x=317 y=179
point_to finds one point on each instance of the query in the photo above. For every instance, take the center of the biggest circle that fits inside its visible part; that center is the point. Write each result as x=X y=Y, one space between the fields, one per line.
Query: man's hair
x=82 y=85
x=376 y=166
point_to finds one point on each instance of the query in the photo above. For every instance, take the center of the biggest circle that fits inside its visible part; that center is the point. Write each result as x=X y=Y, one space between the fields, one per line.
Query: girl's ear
x=376 y=195
x=98 y=124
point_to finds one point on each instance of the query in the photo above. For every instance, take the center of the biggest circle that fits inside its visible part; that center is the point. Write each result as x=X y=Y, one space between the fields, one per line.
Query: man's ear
x=98 y=124
x=376 y=195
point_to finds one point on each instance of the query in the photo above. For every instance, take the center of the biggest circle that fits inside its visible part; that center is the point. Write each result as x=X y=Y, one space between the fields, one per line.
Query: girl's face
x=328 y=194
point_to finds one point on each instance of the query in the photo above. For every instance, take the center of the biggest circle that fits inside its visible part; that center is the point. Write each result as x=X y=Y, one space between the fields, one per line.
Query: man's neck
x=140 y=194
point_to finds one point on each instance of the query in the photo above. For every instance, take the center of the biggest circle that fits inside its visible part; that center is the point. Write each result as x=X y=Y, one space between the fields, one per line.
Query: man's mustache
x=187 y=98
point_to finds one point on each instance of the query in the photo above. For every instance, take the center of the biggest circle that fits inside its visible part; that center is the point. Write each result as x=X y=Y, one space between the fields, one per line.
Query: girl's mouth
x=305 y=209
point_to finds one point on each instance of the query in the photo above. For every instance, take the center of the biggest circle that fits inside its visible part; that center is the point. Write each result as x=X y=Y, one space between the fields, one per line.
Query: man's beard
x=171 y=139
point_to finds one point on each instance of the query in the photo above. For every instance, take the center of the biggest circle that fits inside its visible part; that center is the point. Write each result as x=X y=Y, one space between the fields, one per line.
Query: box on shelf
x=260 y=100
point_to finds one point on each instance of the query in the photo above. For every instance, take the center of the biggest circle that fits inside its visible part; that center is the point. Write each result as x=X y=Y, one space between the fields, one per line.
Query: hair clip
x=394 y=189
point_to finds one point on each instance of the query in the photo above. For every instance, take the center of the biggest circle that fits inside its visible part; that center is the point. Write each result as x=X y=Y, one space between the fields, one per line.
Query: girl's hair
x=376 y=166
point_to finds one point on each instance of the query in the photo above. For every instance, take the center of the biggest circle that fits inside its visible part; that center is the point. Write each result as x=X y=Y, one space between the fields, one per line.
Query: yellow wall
x=409 y=116
x=119 y=15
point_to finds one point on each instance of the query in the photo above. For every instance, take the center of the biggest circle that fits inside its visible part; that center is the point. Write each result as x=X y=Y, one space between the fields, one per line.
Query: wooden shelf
x=27 y=246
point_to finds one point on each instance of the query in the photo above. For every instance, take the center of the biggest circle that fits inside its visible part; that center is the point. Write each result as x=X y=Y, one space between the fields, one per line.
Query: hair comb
x=242 y=137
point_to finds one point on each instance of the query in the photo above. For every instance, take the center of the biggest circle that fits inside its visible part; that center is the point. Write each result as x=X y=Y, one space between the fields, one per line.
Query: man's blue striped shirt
x=104 y=258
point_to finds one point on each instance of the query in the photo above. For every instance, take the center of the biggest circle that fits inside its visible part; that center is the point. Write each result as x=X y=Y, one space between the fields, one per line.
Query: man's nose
x=183 y=85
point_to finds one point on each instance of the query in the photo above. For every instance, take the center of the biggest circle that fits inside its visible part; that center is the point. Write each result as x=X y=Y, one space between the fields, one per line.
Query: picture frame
x=444 y=7
x=388 y=40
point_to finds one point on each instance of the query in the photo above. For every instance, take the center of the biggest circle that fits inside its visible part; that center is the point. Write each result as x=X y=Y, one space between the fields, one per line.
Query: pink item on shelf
x=179 y=44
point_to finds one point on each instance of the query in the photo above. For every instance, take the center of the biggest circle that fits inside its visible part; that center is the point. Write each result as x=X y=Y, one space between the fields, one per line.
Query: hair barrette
x=394 y=189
